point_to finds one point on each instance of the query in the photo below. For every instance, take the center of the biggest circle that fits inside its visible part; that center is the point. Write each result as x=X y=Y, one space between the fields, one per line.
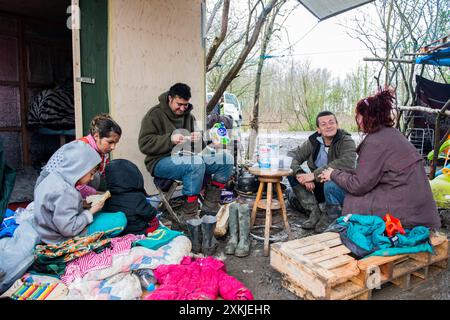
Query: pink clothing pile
x=95 y=261
x=197 y=279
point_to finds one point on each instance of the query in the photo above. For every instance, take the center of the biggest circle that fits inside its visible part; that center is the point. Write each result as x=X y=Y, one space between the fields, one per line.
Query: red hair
x=376 y=111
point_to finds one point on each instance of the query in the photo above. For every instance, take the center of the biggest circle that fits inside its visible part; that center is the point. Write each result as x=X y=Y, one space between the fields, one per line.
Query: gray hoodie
x=58 y=205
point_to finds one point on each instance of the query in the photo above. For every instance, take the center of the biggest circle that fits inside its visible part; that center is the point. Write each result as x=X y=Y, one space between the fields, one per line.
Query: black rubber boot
x=194 y=227
x=209 y=243
x=211 y=203
x=333 y=211
x=233 y=227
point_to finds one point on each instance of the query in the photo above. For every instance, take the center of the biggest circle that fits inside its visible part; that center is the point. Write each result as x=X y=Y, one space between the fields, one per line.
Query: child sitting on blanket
x=58 y=206
x=126 y=184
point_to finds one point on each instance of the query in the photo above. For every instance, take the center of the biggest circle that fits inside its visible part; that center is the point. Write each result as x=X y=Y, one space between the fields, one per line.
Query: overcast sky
x=325 y=44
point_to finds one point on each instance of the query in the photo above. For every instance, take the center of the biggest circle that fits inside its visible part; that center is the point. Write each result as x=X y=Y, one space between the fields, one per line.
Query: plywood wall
x=152 y=45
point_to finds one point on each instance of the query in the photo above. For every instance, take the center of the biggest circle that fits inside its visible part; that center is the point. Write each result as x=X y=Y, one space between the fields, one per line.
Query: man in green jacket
x=328 y=147
x=172 y=144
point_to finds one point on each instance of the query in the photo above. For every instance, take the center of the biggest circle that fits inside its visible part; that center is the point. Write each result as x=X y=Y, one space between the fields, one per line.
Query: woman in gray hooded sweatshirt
x=58 y=206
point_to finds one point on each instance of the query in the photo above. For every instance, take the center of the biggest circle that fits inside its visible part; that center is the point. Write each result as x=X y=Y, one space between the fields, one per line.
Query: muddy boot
x=189 y=210
x=333 y=211
x=293 y=202
x=211 y=203
x=233 y=227
x=313 y=219
x=209 y=243
x=243 y=247
x=308 y=201
x=194 y=227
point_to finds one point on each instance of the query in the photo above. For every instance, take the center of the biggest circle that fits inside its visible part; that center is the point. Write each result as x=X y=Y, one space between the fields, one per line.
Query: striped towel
x=95 y=261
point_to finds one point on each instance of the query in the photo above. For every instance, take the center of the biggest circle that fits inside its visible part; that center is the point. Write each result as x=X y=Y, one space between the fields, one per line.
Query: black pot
x=247 y=183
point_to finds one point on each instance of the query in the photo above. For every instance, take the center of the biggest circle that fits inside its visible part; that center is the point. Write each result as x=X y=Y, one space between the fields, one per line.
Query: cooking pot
x=247 y=183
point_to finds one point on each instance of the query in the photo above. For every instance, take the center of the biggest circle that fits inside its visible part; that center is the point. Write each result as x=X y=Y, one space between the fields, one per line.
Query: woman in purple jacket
x=390 y=175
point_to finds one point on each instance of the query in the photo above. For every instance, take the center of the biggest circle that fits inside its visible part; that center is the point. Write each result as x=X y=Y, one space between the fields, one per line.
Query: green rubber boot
x=233 y=227
x=243 y=247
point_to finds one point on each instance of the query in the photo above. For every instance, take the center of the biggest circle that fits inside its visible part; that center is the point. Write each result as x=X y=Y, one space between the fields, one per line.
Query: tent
x=436 y=58
x=324 y=9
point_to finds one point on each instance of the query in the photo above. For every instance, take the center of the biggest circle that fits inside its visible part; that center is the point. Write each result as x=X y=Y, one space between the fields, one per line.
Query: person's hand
x=86 y=205
x=325 y=176
x=177 y=138
x=96 y=207
x=302 y=178
x=310 y=186
x=196 y=136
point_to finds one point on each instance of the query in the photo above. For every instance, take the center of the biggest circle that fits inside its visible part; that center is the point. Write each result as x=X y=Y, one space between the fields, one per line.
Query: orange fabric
x=393 y=225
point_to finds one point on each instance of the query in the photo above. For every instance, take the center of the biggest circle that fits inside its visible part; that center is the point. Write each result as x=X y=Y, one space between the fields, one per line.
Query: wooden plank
x=318 y=247
x=406 y=267
x=345 y=272
x=328 y=254
x=335 y=262
x=319 y=270
x=437 y=239
x=441 y=252
x=365 y=263
x=299 y=243
x=300 y=274
x=296 y=289
x=421 y=273
x=346 y=291
x=403 y=282
x=76 y=54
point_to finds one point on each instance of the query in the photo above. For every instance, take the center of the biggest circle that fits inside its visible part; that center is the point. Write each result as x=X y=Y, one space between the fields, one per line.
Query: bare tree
x=250 y=41
x=268 y=33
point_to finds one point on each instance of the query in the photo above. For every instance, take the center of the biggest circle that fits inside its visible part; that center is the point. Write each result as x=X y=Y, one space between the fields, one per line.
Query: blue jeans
x=191 y=169
x=333 y=193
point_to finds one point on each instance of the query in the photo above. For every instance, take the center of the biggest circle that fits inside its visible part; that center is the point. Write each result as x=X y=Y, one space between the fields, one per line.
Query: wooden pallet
x=319 y=267
x=405 y=270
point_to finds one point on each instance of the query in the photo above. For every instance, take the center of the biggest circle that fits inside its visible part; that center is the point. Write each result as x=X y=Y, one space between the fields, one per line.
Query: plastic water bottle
x=146 y=278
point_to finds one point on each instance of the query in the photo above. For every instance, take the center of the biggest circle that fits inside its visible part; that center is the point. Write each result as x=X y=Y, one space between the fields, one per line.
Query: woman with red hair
x=390 y=175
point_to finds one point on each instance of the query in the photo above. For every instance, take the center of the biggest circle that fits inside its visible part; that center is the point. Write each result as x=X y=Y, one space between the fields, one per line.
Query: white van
x=231 y=107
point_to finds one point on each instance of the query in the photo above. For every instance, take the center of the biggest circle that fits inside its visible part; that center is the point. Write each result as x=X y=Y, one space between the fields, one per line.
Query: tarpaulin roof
x=436 y=58
x=324 y=9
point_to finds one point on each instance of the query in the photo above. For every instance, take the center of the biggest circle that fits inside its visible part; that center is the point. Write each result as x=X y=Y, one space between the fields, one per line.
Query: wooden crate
x=319 y=267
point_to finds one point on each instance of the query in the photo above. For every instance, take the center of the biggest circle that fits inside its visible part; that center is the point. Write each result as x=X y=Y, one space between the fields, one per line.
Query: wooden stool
x=269 y=177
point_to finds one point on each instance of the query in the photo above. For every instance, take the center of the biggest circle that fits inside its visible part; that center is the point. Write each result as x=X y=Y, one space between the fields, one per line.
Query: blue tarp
x=438 y=58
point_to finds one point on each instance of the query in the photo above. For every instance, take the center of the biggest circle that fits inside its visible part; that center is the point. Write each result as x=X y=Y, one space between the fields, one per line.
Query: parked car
x=231 y=107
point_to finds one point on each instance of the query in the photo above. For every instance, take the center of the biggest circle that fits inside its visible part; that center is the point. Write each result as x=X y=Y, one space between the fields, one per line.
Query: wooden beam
x=390 y=60
x=423 y=109
x=76 y=54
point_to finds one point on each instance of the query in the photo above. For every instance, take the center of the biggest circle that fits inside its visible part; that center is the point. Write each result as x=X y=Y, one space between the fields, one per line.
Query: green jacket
x=157 y=127
x=341 y=155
